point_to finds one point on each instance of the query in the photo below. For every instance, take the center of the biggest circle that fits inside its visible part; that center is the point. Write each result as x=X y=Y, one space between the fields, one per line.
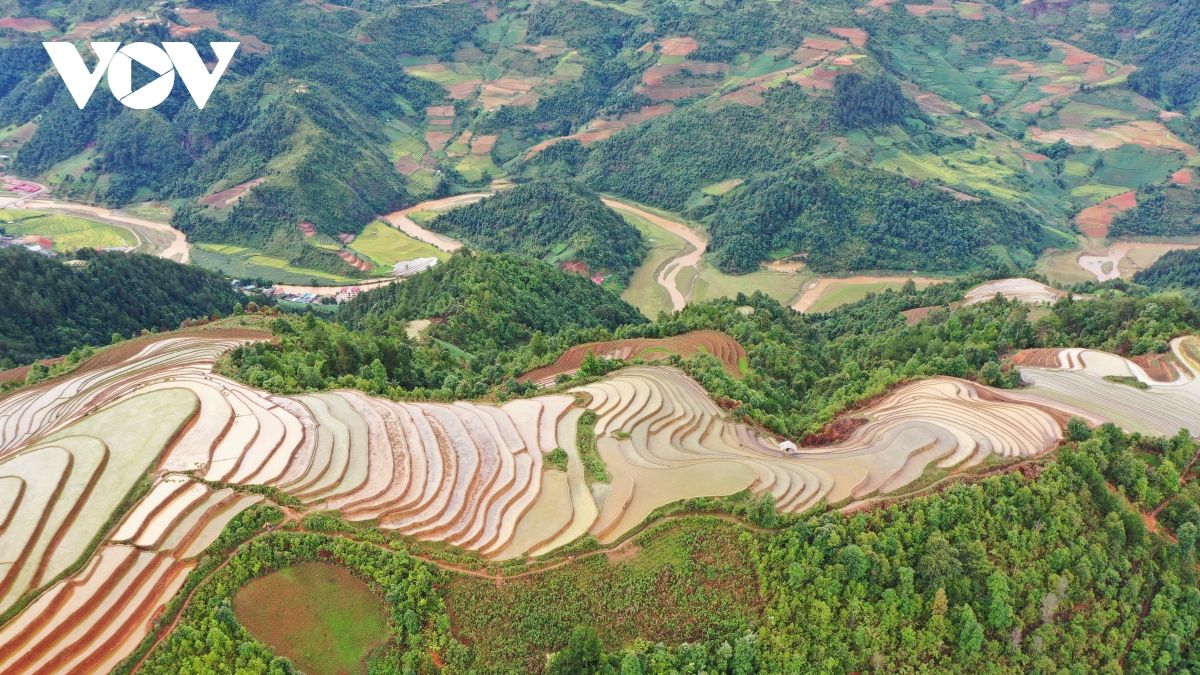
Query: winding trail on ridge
x=668 y=274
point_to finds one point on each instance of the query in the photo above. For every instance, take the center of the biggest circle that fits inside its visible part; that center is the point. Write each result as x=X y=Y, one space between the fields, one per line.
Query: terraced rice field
x=472 y=475
x=1024 y=290
x=1076 y=378
x=712 y=342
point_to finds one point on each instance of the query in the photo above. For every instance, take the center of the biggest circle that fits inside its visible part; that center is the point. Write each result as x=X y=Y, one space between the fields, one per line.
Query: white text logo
x=117 y=61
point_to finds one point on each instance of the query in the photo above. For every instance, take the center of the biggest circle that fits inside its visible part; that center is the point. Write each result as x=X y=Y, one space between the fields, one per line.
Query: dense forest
x=50 y=308
x=549 y=220
x=843 y=219
x=663 y=161
x=1176 y=270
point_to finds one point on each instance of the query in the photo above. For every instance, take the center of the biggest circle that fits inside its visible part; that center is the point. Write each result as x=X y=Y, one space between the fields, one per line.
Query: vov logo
x=117 y=61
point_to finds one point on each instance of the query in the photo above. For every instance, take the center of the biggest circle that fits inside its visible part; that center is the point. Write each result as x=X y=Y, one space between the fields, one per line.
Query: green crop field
x=840 y=294
x=386 y=246
x=69 y=233
x=320 y=616
x=644 y=291
x=236 y=261
x=711 y=283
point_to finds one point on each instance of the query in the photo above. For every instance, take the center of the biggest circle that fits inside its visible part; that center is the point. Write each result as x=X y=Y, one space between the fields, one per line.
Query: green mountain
x=550 y=220
x=488 y=301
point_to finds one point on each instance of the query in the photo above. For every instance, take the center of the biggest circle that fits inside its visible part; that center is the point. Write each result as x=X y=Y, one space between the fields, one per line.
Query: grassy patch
x=320 y=616
x=644 y=291
x=712 y=283
x=556 y=459
x=1127 y=380
x=839 y=294
x=585 y=442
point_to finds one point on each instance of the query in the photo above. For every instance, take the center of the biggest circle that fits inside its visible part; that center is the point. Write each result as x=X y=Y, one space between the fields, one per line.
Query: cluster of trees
x=1010 y=574
x=51 y=309
x=496 y=317
x=843 y=219
x=867 y=101
x=550 y=220
x=490 y=301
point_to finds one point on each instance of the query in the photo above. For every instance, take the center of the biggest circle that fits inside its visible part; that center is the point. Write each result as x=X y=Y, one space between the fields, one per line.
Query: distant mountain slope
x=845 y=219
x=550 y=220
x=50 y=308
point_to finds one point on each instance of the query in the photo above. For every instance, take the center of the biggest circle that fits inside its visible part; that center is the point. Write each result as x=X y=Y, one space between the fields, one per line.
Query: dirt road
x=668 y=274
x=401 y=220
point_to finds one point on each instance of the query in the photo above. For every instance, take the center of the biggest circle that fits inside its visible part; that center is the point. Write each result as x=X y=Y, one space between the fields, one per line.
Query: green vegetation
x=556 y=459
x=319 y=616
x=549 y=220
x=51 y=308
x=1175 y=270
x=385 y=246
x=1128 y=381
x=860 y=101
x=857 y=219
x=246 y=263
x=490 y=302
x=691 y=581
x=1161 y=211
x=585 y=442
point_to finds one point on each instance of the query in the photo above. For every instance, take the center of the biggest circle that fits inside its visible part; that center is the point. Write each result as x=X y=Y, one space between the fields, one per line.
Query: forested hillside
x=1176 y=270
x=844 y=219
x=488 y=301
x=332 y=115
x=549 y=220
x=50 y=308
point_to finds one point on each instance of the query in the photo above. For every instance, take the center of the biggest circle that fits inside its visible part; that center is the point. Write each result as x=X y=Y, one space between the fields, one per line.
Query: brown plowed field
x=718 y=344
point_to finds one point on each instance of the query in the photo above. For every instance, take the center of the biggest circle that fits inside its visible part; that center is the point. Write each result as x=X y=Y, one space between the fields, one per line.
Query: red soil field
x=1182 y=177
x=856 y=36
x=440 y=111
x=26 y=25
x=482 y=145
x=307 y=229
x=916 y=315
x=1094 y=221
x=824 y=44
x=718 y=344
x=674 y=46
x=1160 y=367
x=1037 y=358
x=437 y=139
x=232 y=195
